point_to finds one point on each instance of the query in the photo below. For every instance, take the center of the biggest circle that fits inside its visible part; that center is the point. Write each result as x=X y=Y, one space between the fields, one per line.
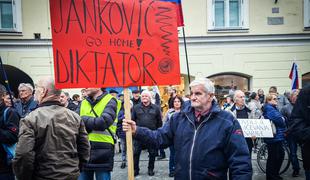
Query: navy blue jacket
x=206 y=151
x=24 y=109
x=272 y=113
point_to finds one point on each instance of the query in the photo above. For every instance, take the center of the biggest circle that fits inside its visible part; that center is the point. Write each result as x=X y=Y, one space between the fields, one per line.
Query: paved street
x=161 y=169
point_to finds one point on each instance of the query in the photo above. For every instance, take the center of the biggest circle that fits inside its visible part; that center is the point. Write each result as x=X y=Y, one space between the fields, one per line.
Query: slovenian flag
x=294 y=76
x=178 y=4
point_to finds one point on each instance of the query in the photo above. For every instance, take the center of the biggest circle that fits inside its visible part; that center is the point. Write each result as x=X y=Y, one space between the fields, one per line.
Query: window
x=307 y=13
x=10 y=16
x=227 y=14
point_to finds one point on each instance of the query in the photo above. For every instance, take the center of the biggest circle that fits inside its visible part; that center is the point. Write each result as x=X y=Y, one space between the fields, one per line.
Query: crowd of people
x=58 y=137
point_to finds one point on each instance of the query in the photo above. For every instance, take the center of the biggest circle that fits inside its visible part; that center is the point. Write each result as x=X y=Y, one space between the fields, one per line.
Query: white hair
x=237 y=92
x=207 y=84
x=26 y=85
x=147 y=92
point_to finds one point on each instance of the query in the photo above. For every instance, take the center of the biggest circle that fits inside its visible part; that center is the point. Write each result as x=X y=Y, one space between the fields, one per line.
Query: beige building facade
x=240 y=44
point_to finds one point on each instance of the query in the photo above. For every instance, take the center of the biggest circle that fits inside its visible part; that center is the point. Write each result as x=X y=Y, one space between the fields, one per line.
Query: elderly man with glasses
x=208 y=141
x=27 y=102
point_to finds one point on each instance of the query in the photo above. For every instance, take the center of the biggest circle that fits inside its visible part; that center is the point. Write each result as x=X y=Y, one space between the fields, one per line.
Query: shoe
x=151 y=172
x=161 y=157
x=295 y=173
x=171 y=174
x=123 y=165
x=136 y=173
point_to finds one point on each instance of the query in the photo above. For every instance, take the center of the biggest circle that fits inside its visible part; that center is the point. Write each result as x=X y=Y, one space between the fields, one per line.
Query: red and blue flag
x=180 y=20
x=294 y=76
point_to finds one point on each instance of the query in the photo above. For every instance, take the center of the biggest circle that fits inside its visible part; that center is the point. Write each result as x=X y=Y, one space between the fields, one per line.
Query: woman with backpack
x=9 y=123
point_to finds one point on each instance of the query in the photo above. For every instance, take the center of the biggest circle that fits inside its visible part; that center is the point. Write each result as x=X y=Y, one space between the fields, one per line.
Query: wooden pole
x=128 y=136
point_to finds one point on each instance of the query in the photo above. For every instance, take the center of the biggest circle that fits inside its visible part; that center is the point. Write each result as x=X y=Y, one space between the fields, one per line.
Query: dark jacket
x=52 y=144
x=206 y=151
x=8 y=134
x=102 y=154
x=147 y=116
x=121 y=115
x=272 y=113
x=299 y=126
x=25 y=108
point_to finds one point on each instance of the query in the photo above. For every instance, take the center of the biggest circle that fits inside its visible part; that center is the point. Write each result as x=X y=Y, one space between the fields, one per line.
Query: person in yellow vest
x=99 y=112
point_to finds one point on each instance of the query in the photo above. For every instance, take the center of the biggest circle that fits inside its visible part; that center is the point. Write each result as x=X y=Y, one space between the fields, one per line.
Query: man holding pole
x=208 y=141
x=99 y=112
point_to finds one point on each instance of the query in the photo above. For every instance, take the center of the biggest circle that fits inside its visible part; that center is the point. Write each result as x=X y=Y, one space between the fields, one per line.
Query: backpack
x=8 y=148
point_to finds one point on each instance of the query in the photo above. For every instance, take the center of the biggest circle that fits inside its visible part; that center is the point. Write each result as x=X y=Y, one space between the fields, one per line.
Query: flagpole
x=186 y=56
x=6 y=81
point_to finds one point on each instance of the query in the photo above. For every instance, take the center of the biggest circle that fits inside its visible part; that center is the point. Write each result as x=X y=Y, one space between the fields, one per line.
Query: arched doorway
x=15 y=77
x=227 y=83
x=305 y=81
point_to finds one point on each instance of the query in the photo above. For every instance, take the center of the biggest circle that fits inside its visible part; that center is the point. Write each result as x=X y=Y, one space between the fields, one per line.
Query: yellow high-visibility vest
x=86 y=110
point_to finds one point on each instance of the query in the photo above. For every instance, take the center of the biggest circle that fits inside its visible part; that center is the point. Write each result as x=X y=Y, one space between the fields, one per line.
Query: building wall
x=257 y=52
x=266 y=64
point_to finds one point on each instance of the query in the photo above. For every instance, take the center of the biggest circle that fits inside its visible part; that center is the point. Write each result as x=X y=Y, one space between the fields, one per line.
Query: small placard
x=256 y=127
x=275 y=20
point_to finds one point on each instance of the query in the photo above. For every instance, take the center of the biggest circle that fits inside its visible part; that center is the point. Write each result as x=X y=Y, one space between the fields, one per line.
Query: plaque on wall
x=275 y=20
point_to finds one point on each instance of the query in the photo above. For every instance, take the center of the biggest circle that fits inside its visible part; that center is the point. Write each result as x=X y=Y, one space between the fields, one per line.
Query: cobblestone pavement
x=161 y=169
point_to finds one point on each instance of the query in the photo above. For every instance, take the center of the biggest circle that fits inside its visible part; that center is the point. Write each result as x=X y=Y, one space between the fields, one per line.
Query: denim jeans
x=123 y=147
x=172 y=159
x=100 y=175
x=7 y=176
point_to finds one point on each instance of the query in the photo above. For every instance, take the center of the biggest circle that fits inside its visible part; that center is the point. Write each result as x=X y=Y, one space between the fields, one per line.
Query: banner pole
x=186 y=56
x=6 y=81
x=129 y=147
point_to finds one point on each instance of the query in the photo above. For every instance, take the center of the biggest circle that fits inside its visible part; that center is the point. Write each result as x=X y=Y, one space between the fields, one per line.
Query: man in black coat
x=147 y=115
x=299 y=126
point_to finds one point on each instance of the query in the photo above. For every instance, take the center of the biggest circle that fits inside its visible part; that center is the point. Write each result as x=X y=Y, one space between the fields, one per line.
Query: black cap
x=113 y=91
x=136 y=91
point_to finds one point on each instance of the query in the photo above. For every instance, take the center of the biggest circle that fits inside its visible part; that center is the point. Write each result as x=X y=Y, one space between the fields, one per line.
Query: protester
x=172 y=93
x=122 y=135
x=52 y=140
x=255 y=106
x=9 y=125
x=207 y=140
x=299 y=126
x=135 y=97
x=76 y=99
x=26 y=103
x=64 y=101
x=113 y=92
x=99 y=112
x=261 y=96
x=229 y=102
x=286 y=112
x=241 y=111
x=146 y=115
x=274 y=145
x=281 y=99
x=176 y=107
x=7 y=99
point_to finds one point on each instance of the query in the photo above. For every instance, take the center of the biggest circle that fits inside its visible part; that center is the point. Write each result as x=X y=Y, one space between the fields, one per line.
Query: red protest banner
x=105 y=43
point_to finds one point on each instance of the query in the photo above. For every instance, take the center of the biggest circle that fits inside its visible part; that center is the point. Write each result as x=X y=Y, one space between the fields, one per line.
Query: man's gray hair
x=49 y=83
x=207 y=84
x=27 y=85
x=235 y=94
x=147 y=92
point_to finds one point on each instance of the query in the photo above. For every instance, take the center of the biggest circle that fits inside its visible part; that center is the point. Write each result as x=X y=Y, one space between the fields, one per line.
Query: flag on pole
x=180 y=20
x=294 y=76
